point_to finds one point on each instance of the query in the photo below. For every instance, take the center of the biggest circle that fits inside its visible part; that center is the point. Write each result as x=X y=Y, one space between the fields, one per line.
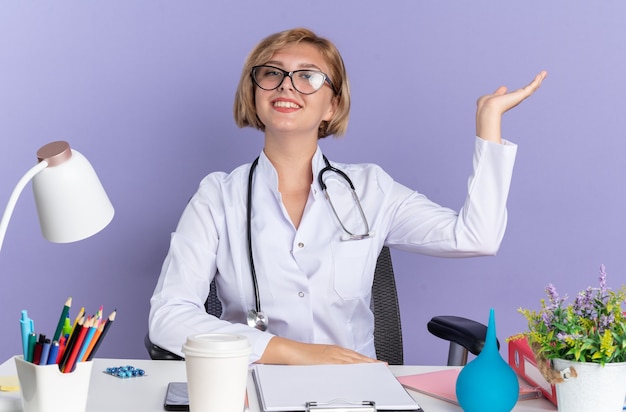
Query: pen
x=67 y=327
x=38 y=349
x=64 y=313
x=32 y=339
x=45 y=352
x=54 y=353
x=27 y=327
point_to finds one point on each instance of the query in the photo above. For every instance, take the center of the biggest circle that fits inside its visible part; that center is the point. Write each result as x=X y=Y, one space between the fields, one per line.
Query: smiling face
x=285 y=110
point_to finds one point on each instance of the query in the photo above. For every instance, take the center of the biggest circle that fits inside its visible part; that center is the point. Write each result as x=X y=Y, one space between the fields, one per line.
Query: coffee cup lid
x=216 y=344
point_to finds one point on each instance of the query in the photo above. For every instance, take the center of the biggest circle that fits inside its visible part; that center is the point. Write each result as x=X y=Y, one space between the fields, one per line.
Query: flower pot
x=596 y=388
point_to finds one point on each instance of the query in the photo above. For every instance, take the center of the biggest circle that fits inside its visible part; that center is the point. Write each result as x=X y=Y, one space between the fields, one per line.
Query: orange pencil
x=105 y=329
x=93 y=342
x=91 y=331
x=71 y=360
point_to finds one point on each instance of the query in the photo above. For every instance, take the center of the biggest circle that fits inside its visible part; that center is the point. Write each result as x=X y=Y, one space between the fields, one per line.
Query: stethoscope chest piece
x=257 y=320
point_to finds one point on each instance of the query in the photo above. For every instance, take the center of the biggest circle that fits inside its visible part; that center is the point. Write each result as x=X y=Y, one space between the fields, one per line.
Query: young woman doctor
x=292 y=251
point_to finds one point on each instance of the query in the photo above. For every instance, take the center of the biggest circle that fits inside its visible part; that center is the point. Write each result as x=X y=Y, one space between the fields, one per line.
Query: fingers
x=355 y=357
x=286 y=351
x=501 y=101
x=535 y=84
x=333 y=354
x=500 y=91
x=337 y=354
x=528 y=90
x=491 y=107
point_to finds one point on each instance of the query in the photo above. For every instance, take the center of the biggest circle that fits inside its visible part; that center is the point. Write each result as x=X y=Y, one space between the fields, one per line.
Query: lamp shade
x=71 y=202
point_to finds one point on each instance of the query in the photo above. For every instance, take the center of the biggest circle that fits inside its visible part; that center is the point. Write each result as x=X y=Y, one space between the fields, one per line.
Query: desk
x=108 y=393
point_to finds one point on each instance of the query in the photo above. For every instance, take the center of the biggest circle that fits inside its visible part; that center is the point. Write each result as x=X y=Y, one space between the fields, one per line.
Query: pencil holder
x=46 y=389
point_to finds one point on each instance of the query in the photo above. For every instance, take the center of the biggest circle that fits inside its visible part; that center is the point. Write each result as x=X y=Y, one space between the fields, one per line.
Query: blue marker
x=54 y=352
x=27 y=325
x=45 y=352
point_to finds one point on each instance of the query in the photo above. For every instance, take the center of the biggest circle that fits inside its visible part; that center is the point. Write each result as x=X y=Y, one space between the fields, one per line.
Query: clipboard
x=363 y=387
x=341 y=406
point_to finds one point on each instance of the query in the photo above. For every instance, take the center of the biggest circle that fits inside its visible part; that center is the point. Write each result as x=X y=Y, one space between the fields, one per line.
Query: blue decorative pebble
x=124 y=372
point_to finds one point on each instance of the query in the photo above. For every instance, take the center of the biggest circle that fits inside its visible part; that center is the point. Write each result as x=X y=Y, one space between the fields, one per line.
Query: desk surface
x=108 y=393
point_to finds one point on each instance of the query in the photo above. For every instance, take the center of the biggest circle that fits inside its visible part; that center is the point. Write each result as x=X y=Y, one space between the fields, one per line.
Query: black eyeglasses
x=304 y=81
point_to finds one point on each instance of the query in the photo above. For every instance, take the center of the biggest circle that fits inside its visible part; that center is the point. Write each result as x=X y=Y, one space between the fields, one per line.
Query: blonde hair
x=245 y=108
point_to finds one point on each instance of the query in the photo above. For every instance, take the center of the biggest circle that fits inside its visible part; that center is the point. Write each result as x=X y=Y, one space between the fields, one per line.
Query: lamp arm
x=4 y=223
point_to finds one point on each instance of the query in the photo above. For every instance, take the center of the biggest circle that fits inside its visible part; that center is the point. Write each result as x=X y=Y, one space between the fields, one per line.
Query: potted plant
x=581 y=346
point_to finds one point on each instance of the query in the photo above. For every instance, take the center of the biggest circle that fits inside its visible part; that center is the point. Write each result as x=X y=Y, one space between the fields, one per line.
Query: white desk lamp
x=71 y=202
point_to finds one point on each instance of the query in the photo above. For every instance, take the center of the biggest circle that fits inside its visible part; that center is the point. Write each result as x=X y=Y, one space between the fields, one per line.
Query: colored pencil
x=82 y=355
x=61 y=349
x=71 y=360
x=64 y=313
x=105 y=329
x=70 y=344
x=93 y=342
x=80 y=315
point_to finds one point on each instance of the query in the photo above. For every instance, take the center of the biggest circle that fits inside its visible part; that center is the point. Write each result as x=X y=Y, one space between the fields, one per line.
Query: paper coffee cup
x=217 y=371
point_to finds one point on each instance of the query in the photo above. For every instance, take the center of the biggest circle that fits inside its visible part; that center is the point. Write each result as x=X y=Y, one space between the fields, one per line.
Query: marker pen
x=37 y=352
x=54 y=352
x=27 y=326
x=45 y=352
x=32 y=340
x=67 y=327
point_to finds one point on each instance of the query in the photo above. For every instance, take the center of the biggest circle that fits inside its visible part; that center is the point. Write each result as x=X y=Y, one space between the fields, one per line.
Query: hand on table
x=289 y=352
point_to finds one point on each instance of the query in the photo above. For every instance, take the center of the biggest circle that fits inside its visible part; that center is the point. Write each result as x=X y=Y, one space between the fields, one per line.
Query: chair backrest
x=387 y=325
x=384 y=304
x=213 y=305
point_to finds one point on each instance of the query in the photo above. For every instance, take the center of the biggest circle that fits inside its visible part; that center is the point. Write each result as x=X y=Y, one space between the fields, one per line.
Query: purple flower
x=605 y=322
x=553 y=295
x=583 y=305
x=547 y=319
x=602 y=280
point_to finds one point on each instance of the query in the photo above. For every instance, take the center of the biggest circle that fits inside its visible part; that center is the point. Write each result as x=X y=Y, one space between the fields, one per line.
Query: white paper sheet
x=288 y=388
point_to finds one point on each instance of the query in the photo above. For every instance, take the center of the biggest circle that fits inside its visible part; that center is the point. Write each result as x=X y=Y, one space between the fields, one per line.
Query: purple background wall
x=144 y=89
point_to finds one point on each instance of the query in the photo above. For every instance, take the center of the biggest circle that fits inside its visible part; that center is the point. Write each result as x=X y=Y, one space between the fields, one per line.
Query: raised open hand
x=491 y=107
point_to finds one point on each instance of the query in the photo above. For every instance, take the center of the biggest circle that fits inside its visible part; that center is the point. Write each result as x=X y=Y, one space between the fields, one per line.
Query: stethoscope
x=255 y=317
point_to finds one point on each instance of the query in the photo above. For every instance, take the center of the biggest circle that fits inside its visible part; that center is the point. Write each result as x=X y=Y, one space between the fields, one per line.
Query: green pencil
x=64 y=313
